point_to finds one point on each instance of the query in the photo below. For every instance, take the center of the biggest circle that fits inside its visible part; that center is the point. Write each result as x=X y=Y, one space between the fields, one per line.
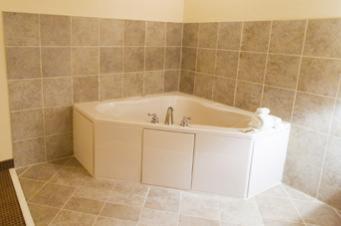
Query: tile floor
x=62 y=193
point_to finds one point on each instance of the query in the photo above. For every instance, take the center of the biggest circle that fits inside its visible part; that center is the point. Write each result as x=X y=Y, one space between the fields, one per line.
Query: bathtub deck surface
x=63 y=193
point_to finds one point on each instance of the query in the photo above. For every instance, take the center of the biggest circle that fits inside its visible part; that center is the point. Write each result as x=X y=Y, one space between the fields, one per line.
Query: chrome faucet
x=169 y=116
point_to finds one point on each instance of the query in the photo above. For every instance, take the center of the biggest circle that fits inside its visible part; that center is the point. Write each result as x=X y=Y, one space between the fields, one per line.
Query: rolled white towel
x=267 y=121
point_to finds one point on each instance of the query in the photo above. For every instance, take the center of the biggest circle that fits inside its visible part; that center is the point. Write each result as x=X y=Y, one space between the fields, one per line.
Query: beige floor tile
x=196 y=221
x=21 y=170
x=71 y=177
x=42 y=171
x=125 y=199
x=42 y=215
x=30 y=187
x=296 y=194
x=106 y=221
x=53 y=195
x=121 y=212
x=158 y=218
x=84 y=205
x=277 y=191
x=280 y=223
x=163 y=199
x=92 y=193
x=70 y=218
x=131 y=188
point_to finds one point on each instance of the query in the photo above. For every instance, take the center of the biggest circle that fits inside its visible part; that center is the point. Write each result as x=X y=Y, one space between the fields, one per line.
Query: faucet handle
x=185 y=122
x=154 y=118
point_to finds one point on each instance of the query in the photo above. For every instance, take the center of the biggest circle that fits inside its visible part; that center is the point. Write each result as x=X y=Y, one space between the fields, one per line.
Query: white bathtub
x=219 y=152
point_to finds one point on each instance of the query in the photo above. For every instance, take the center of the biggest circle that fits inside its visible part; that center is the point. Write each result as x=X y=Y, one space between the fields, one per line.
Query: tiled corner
x=28 y=152
x=171 y=81
x=27 y=124
x=187 y=82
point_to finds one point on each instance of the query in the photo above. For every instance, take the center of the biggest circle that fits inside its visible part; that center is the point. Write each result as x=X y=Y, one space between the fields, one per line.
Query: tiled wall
x=292 y=67
x=55 y=61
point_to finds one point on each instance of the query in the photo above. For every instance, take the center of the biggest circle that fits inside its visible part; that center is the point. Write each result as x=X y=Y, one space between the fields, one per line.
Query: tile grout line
x=196 y=58
x=238 y=64
x=213 y=91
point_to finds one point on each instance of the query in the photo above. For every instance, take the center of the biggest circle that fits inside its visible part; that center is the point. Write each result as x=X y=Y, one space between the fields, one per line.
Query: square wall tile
x=173 y=57
x=206 y=61
x=252 y=67
x=279 y=101
x=171 y=81
x=190 y=35
x=55 y=30
x=111 y=32
x=336 y=125
x=133 y=59
x=57 y=92
x=155 y=34
x=189 y=57
x=227 y=63
x=134 y=33
x=229 y=35
x=24 y=94
x=287 y=36
x=208 y=35
x=27 y=124
x=282 y=71
x=153 y=82
x=28 y=152
x=85 y=89
x=173 y=34
x=85 y=61
x=187 y=82
x=154 y=58
x=320 y=76
x=314 y=112
x=85 y=31
x=111 y=60
x=323 y=37
x=256 y=36
x=248 y=96
x=203 y=86
x=56 y=62
x=132 y=84
x=330 y=195
x=21 y=29
x=110 y=87
x=58 y=146
x=58 y=120
x=332 y=165
x=23 y=62
x=223 y=90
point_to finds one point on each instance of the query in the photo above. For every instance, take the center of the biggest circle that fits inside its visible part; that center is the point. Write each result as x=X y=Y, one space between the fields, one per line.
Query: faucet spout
x=169 y=116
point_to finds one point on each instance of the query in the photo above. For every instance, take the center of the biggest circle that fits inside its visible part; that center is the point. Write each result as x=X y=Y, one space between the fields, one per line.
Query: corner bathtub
x=217 y=153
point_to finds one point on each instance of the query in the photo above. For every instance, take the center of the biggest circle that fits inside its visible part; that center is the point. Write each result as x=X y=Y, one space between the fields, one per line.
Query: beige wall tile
x=174 y=34
x=279 y=101
x=111 y=32
x=85 y=61
x=28 y=152
x=223 y=91
x=153 y=82
x=287 y=36
x=134 y=33
x=56 y=62
x=207 y=35
x=229 y=35
x=154 y=58
x=21 y=29
x=121 y=212
x=206 y=61
x=190 y=35
x=282 y=71
x=227 y=63
x=171 y=81
x=85 y=31
x=203 y=85
x=133 y=59
x=313 y=112
x=66 y=217
x=155 y=34
x=252 y=67
x=256 y=36
x=42 y=215
x=27 y=124
x=85 y=89
x=173 y=57
x=58 y=146
x=332 y=165
x=330 y=195
x=189 y=56
x=323 y=38
x=55 y=30
x=336 y=125
x=110 y=87
x=57 y=92
x=111 y=60
x=187 y=82
x=58 y=120
x=84 y=205
x=248 y=96
x=24 y=94
x=132 y=84
x=23 y=62
x=320 y=76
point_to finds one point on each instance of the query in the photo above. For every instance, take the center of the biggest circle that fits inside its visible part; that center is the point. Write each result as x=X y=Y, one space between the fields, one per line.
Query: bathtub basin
x=219 y=152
